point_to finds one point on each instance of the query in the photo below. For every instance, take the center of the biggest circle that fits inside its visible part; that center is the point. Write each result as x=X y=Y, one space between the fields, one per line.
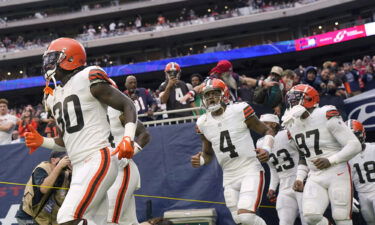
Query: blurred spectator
x=143 y=101
x=331 y=97
x=138 y=22
x=196 y=79
x=161 y=20
x=112 y=27
x=26 y=119
x=41 y=203
x=51 y=130
x=288 y=78
x=310 y=77
x=351 y=78
x=323 y=78
x=369 y=78
x=173 y=91
x=7 y=123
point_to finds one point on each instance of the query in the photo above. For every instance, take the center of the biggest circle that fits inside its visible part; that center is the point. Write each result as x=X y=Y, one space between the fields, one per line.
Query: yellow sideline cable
x=143 y=196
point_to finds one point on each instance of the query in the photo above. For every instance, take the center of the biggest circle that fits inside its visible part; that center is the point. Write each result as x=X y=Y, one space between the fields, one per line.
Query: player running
x=225 y=132
x=363 y=170
x=283 y=167
x=326 y=145
x=79 y=106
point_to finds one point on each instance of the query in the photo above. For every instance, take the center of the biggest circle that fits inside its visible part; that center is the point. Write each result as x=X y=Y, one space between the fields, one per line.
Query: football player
x=283 y=167
x=326 y=144
x=79 y=106
x=122 y=208
x=225 y=133
x=363 y=170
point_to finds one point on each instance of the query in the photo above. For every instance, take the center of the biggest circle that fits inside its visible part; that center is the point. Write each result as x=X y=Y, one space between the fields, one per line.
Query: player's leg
x=88 y=190
x=287 y=207
x=231 y=194
x=315 y=201
x=126 y=207
x=340 y=193
x=298 y=197
x=249 y=199
x=367 y=203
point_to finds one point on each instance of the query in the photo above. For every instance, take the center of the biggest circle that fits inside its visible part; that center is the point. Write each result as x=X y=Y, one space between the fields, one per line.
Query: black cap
x=56 y=154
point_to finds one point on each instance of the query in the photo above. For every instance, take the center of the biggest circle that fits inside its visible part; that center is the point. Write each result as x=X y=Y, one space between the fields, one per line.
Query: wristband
x=130 y=129
x=302 y=172
x=201 y=160
x=50 y=144
x=260 y=83
x=268 y=142
x=191 y=93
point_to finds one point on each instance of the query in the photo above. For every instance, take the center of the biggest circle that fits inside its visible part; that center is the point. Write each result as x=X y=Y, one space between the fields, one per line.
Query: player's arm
x=302 y=172
x=34 y=140
x=7 y=126
x=274 y=182
x=253 y=123
x=350 y=143
x=205 y=156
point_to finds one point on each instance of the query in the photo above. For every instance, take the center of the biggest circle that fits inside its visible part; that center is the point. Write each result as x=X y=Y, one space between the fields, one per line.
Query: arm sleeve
x=274 y=180
x=248 y=111
x=349 y=142
x=97 y=75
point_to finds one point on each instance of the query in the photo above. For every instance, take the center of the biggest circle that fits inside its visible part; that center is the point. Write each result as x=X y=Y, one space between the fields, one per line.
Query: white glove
x=292 y=114
x=355 y=208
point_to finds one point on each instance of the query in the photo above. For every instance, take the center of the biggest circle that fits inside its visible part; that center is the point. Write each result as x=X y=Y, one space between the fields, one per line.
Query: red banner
x=330 y=38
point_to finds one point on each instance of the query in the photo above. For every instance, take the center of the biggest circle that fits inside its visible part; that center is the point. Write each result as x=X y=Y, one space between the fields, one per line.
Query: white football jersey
x=117 y=129
x=283 y=157
x=231 y=140
x=313 y=137
x=363 y=169
x=79 y=115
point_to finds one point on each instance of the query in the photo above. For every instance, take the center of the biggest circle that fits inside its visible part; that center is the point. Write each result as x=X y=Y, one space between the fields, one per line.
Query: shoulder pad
x=332 y=113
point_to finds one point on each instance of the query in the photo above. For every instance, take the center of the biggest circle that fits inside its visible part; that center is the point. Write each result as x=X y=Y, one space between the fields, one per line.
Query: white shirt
x=6 y=136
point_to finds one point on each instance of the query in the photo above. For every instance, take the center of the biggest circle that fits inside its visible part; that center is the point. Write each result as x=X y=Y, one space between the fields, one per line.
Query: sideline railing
x=169 y=121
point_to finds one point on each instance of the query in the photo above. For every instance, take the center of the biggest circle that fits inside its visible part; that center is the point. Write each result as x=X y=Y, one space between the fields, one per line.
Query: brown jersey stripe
x=94 y=184
x=260 y=191
x=249 y=114
x=121 y=194
x=332 y=113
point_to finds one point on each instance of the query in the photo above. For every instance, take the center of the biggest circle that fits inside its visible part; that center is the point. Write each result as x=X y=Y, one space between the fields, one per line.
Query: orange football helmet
x=172 y=69
x=66 y=53
x=303 y=94
x=211 y=102
x=358 y=129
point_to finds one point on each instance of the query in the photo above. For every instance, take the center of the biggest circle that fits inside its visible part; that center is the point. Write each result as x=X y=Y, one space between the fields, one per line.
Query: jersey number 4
x=369 y=167
x=301 y=142
x=62 y=108
x=226 y=144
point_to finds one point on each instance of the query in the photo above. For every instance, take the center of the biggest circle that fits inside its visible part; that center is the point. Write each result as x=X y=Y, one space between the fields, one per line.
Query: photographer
x=40 y=203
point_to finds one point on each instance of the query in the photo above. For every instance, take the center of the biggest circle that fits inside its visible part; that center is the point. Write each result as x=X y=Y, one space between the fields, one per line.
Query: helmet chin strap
x=214 y=108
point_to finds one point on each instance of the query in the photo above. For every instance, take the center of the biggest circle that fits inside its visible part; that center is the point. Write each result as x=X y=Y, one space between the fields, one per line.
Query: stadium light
x=9 y=73
x=21 y=72
x=320 y=27
x=336 y=23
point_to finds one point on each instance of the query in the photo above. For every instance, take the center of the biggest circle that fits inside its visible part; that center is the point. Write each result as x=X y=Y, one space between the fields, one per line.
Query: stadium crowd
x=334 y=81
x=136 y=25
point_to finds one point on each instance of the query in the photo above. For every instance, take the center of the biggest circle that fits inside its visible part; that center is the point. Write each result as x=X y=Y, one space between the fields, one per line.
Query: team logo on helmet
x=172 y=69
x=303 y=94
